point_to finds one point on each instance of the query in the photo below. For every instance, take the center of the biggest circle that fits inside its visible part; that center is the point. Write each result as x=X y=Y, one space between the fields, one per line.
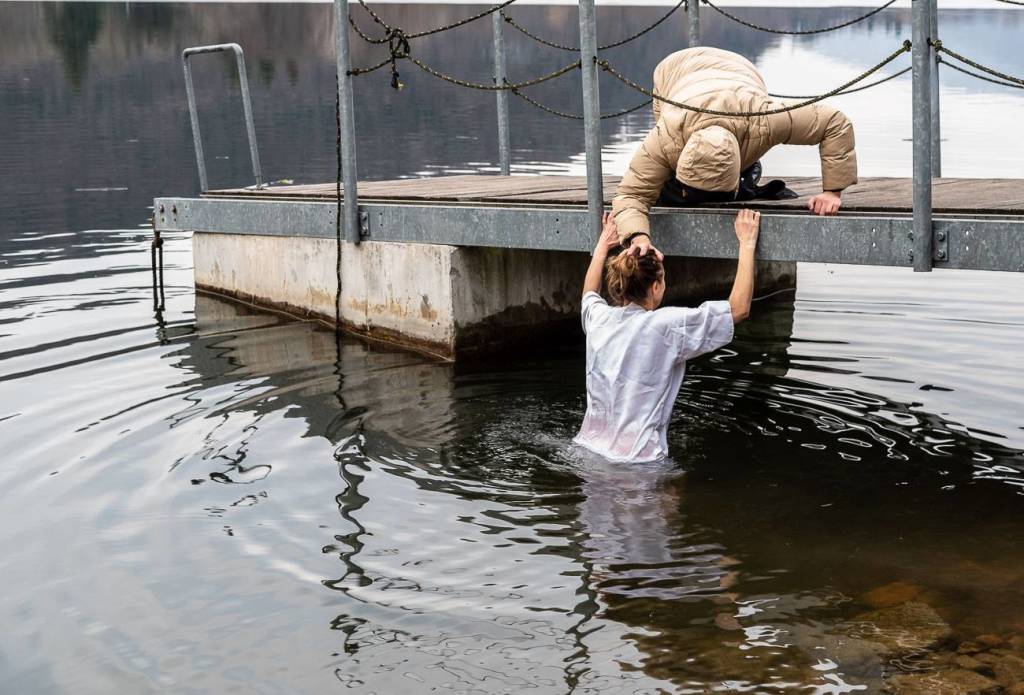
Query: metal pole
x=591 y=113
x=936 y=113
x=346 y=113
x=501 y=96
x=693 y=10
x=243 y=81
x=197 y=139
x=922 y=129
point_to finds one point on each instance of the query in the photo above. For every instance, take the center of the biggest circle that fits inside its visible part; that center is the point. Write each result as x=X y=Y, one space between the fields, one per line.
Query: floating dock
x=456 y=264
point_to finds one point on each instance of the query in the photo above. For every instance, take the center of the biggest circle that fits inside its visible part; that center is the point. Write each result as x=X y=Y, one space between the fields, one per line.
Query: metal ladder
x=243 y=80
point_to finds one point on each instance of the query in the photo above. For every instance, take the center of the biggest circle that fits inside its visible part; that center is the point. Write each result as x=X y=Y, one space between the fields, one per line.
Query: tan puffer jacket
x=708 y=152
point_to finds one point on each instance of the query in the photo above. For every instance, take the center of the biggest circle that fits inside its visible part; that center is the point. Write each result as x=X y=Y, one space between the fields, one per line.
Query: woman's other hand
x=609 y=233
x=748 y=225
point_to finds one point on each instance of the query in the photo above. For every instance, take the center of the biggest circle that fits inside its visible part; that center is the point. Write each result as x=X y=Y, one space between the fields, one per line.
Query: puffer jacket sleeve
x=640 y=187
x=832 y=131
x=658 y=89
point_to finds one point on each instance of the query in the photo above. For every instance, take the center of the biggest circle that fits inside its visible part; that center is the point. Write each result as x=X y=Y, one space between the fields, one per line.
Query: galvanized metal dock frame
x=921 y=240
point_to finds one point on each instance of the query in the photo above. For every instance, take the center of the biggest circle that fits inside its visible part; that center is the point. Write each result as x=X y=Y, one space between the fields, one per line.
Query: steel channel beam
x=347 y=124
x=250 y=127
x=501 y=96
x=977 y=244
x=693 y=12
x=591 y=114
x=922 y=136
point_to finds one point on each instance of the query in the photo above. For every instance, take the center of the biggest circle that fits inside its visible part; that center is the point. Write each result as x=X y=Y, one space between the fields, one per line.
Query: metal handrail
x=243 y=80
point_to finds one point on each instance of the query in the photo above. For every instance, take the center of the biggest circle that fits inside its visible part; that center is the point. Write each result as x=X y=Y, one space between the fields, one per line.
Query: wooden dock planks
x=878 y=195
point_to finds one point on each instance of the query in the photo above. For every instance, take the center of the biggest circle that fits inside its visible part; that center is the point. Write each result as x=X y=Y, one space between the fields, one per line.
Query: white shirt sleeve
x=593 y=308
x=701 y=330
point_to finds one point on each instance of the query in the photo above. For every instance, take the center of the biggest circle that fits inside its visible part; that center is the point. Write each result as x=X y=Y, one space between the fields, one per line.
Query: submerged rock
x=1009 y=670
x=891 y=594
x=956 y=682
x=906 y=627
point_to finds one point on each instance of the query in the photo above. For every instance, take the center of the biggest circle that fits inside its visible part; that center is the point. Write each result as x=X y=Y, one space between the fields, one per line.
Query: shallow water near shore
x=221 y=499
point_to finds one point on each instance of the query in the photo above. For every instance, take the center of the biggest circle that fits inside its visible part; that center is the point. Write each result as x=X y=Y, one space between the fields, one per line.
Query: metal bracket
x=940 y=246
x=364 y=225
x=243 y=80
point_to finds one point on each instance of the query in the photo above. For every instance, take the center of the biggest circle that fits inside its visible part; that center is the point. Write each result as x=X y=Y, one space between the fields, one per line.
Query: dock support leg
x=591 y=113
x=922 y=136
x=346 y=112
x=501 y=97
x=693 y=11
x=936 y=119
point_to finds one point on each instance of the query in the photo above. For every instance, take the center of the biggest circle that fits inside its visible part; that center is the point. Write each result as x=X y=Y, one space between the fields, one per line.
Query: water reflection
x=479 y=550
x=226 y=499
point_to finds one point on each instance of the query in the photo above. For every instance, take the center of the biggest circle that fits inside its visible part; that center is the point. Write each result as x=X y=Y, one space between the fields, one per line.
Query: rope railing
x=607 y=67
x=507 y=86
x=979 y=76
x=436 y=30
x=614 y=44
x=885 y=79
x=575 y=116
x=796 y=32
x=940 y=48
x=397 y=39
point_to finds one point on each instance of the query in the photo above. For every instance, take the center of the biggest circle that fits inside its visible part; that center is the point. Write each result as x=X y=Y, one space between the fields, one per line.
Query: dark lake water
x=225 y=500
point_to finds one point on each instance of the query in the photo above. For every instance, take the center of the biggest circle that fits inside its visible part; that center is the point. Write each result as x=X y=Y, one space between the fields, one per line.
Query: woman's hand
x=641 y=245
x=748 y=225
x=609 y=238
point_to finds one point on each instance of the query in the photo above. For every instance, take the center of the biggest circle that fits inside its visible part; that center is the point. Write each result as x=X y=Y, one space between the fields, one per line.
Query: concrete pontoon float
x=456 y=264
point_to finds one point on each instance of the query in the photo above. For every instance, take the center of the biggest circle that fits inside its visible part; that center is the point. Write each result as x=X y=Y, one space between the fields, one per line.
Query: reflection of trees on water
x=73 y=28
x=129 y=61
x=762 y=543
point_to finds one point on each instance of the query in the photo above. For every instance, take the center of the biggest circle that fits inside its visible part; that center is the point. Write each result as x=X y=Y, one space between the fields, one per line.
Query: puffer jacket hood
x=710 y=160
x=709 y=151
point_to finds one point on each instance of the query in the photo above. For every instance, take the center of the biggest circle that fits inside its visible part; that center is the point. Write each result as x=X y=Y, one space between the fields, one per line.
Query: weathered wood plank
x=995 y=196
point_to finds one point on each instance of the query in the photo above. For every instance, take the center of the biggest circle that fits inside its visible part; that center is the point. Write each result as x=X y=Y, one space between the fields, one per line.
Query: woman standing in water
x=636 y=352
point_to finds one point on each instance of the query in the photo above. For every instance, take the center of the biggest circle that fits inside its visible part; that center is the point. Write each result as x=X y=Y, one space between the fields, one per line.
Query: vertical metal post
x=693 y=10
x=922 y=129
x=193 y=114
x=250 y=128
x=933 y=11
x=346 y=114
x=591 y=113
x=501 y=96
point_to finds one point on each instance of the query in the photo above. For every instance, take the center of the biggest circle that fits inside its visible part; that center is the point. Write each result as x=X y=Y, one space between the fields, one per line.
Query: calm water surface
x=224 y=500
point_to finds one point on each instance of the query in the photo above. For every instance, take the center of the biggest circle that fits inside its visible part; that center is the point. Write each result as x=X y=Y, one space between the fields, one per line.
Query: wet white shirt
x=636 y=360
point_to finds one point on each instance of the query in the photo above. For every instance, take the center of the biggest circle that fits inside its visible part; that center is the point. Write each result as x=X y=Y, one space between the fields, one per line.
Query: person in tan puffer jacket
x=709 y=153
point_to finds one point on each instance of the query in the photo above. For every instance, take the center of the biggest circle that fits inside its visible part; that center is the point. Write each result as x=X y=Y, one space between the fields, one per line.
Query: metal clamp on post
x=243 y=81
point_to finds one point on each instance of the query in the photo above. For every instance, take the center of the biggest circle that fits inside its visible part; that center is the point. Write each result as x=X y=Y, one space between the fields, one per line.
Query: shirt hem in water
x=617 y=459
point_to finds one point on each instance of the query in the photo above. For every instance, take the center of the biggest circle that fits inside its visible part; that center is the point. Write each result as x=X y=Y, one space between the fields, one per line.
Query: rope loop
x=575 y=49
x=398 y=47
x=796 y=32
x=575 y=116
